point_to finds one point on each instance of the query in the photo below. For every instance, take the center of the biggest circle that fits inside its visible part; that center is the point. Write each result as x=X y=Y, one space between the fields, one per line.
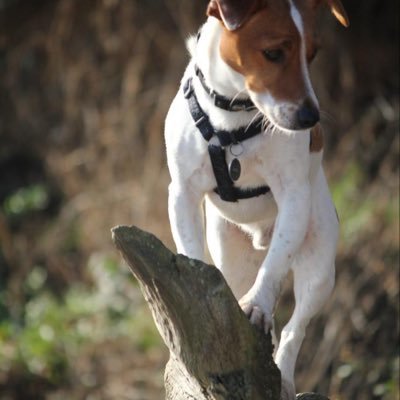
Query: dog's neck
x=218 y=75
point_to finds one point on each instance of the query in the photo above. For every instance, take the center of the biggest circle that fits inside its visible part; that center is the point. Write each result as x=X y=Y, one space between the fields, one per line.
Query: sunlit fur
x=255 y=242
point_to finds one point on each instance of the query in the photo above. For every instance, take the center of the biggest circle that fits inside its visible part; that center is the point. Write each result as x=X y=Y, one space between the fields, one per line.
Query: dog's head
x=271 y=44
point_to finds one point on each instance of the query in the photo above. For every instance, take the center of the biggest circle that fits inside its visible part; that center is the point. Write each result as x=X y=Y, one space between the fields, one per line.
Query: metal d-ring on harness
x=223 y=175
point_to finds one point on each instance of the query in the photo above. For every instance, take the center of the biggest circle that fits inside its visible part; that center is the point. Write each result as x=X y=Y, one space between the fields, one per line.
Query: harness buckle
x=188 y=89
x=233 y=137
x=238 y=107
x=200 y=120
x=219 y=102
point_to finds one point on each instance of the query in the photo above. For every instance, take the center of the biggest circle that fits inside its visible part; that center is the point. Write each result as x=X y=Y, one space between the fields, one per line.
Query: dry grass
x=86 y=86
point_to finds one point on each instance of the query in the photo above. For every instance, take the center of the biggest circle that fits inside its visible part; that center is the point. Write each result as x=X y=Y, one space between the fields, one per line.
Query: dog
x=244 y=150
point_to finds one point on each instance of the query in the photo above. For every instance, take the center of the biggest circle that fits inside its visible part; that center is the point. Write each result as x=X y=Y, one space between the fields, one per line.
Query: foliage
x=25 y=200
x=85 y=88
x=47 y=339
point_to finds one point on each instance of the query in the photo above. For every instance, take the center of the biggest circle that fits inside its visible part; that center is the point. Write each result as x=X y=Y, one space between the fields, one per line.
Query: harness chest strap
x=225 y=185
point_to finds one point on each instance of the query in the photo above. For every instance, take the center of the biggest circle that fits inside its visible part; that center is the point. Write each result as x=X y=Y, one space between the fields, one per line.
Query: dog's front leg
x=186 y=219
x=289 y=233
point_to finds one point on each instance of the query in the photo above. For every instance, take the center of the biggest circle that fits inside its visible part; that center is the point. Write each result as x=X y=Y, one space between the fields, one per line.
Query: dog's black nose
x=307 y=115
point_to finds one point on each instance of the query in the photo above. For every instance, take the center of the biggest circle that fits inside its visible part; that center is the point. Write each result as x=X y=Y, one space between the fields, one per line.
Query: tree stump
x=215 y=353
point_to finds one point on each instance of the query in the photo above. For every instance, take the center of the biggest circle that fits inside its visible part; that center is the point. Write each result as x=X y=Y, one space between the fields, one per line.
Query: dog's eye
x=274 y=55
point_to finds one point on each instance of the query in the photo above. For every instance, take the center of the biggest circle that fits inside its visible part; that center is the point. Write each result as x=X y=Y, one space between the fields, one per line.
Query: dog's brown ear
x=337 y=10
x=233 y=13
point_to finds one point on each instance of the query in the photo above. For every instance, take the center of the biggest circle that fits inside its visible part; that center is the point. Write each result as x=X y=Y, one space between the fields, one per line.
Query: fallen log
x=215 y=353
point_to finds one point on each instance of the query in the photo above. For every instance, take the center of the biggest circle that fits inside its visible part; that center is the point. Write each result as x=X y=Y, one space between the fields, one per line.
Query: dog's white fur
x=254 y=242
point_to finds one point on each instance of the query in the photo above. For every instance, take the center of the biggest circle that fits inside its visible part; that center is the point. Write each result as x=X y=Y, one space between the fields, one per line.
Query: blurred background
x=84 y=89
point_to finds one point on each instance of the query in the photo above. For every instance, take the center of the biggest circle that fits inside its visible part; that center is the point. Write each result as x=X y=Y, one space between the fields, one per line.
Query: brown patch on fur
x=337 y=10
x=213 y=10
x=317 y=139
x=234 y=13
x=271 y=27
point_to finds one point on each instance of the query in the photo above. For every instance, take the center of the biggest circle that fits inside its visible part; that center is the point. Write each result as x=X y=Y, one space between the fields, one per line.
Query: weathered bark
x=215 y=353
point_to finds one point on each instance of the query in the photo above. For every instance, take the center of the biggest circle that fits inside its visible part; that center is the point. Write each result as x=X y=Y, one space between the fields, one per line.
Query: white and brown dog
x=244 y=146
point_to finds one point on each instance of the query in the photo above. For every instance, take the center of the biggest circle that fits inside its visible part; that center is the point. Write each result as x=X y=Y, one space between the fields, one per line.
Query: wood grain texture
x=215 y=353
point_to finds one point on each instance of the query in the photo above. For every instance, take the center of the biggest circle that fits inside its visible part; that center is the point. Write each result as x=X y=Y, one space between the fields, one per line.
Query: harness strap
x=222 y=101
x=225 y=185
x=243 y=194
x=205 y=127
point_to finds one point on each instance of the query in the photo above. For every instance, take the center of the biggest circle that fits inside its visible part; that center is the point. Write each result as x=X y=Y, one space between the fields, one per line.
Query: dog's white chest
x=249 y=155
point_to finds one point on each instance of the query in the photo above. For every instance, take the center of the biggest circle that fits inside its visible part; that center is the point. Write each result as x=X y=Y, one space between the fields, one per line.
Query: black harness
x=224 y=176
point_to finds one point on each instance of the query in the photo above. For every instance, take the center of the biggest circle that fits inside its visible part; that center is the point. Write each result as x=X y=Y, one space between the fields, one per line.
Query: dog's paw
x=288 y=391
x=257 y=313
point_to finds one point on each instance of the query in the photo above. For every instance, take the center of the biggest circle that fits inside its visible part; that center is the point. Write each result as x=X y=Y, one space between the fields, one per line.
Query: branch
x=215 y=353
